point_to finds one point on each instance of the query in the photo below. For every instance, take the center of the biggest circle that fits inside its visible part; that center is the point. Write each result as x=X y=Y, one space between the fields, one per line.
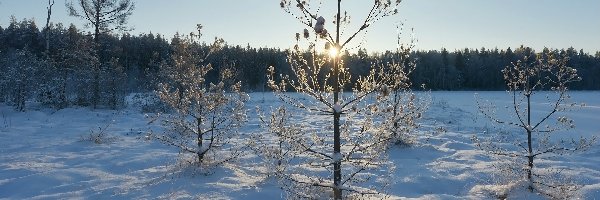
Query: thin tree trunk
x=96 y=86
x=529 y=145
x=97 y=25
x=96 y=90
x=337 y=164
x=63 y=90
x=199 y=131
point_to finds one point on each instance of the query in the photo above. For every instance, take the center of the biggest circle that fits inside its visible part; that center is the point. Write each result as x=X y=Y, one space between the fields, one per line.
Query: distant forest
x=35 y=61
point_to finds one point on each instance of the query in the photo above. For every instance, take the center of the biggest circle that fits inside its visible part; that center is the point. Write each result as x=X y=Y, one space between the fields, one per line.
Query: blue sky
x=453 y=24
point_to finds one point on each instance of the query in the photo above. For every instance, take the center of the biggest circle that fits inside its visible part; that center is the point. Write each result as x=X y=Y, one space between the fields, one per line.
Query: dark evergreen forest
x=75 y=70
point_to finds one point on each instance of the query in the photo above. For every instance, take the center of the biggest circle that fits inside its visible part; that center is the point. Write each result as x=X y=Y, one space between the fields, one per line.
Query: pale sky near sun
x=453 y=24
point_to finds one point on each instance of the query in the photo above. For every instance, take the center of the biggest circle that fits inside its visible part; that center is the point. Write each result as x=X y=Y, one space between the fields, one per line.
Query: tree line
x=78 y=69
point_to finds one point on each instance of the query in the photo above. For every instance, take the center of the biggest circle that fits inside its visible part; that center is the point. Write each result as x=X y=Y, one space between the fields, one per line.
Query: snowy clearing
x=46 y=154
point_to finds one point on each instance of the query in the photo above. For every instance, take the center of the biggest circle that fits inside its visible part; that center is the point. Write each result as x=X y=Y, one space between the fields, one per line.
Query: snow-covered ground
x=44 y=155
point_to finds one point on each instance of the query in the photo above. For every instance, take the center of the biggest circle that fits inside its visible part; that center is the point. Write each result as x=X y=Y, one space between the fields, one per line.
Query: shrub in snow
x=206 y=115
x=524 y=78
x=338 y=157
x=100 y=136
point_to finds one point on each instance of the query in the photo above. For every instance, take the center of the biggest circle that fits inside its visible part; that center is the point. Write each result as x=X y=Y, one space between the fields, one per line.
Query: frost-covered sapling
x=526 y=78
x=338 y=159
x=206 y=115
x=400 y=106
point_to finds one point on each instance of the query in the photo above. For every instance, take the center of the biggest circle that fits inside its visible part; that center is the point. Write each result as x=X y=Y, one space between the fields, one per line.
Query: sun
x=333 y=52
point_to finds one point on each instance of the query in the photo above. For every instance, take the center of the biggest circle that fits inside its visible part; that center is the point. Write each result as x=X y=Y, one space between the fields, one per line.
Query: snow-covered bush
x=206 y=115
x=334 y=160
x=541 y=138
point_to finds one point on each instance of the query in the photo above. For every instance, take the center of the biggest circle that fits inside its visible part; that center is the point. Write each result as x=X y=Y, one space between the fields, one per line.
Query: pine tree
x=104 y=16
x=206 y=114
x=113 y=83
x=355 y=141
x=525 y=78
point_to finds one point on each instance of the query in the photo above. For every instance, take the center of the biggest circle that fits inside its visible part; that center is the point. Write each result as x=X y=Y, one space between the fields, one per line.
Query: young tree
x=401 y=109
x=113 y=82
x=18 y=77
x=356 y=145
x=206 y=114
x=524 y=79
